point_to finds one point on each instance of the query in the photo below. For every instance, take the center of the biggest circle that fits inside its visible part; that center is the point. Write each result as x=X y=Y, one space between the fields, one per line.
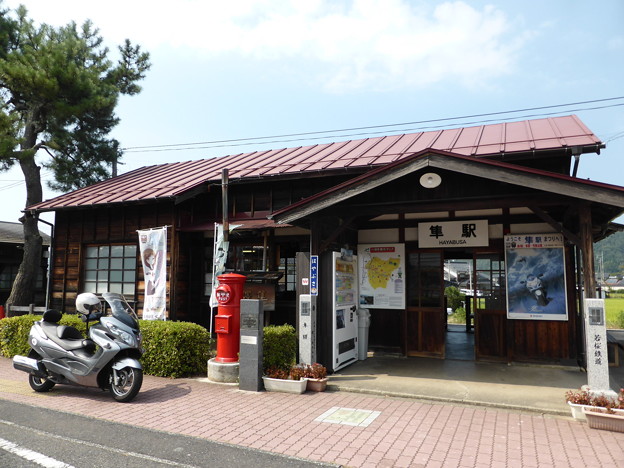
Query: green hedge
x=14 y=332
x=280 y=347
x=172 y=349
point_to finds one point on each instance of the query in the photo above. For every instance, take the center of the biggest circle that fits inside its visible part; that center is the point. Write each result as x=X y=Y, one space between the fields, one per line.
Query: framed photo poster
x=535 y=274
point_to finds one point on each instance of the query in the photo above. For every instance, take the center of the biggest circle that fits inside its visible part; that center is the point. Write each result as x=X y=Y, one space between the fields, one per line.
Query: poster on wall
x=535 y=274
x=382 y=276
x=153 y=247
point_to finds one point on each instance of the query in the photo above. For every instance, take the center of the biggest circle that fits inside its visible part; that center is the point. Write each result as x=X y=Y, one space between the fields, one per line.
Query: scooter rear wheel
x=130 y=381
x=39 y=384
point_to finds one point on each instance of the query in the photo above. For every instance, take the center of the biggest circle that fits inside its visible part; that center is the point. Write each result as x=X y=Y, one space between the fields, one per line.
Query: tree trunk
x=23 y=291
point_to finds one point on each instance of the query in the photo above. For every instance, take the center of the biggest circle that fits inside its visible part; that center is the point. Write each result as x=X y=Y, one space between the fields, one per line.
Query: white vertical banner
x=219 y=257
x=153 y=247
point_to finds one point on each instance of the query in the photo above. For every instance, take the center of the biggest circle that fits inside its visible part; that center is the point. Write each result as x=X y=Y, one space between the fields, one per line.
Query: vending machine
x=345 y=300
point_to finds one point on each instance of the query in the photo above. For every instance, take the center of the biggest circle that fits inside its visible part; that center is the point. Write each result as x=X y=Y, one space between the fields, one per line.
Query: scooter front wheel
x=39 y=384
x=129 y=381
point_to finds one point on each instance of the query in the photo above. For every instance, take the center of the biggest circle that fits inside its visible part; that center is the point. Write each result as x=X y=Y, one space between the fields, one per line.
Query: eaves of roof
x=494 y=170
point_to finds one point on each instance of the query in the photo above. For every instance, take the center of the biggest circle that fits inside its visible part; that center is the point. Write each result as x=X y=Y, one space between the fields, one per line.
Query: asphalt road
x=35 y=437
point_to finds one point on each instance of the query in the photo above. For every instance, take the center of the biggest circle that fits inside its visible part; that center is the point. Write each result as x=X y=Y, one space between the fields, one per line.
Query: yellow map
x=379 y=271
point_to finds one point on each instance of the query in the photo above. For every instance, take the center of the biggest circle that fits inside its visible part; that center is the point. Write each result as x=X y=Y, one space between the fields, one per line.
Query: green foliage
x=59 y=90
x=14 y=332
x=459 y=316
x=174 y=349
x=611 y=251
x=454 y=298
x=279 y=347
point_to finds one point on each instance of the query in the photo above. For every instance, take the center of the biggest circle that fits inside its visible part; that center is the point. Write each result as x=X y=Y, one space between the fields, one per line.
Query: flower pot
x=317 y=385
x=286 y=386
x=577 y=410
x=605 y=421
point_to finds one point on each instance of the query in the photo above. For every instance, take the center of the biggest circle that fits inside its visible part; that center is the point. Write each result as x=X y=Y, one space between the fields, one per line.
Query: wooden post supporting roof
x=585 y=222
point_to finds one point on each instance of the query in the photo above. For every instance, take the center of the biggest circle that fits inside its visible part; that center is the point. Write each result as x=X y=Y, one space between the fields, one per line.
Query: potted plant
x=609 y=417
x=577 y=399
x=317 y=377
x=581 y=401
x=291 y=380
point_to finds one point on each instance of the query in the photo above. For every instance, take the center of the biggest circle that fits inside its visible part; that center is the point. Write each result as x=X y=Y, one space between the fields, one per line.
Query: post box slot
x=222 y=323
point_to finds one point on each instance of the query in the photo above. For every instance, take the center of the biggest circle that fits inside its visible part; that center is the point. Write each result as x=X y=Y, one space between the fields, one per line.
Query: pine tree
x=58 y=93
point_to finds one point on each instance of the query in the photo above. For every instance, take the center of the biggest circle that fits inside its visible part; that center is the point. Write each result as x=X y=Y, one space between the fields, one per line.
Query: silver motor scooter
x=108 y=359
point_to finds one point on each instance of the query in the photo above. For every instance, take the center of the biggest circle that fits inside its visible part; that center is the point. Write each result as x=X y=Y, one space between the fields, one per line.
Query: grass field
x=615 y=311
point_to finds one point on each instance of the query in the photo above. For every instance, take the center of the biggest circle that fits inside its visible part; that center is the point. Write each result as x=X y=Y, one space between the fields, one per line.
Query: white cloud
x=342 y=45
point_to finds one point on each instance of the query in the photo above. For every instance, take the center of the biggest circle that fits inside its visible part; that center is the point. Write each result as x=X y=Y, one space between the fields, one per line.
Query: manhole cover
x=348 y=416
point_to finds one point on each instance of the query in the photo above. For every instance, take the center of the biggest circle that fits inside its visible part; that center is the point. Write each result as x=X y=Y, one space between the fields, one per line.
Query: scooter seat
x=65 y=332
x=67 y=337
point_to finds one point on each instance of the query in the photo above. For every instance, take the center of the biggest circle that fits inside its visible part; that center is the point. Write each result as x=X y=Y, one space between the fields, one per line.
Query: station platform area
x=461 y=379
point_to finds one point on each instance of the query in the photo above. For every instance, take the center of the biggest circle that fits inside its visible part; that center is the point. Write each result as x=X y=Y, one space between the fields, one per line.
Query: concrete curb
x=445 y=400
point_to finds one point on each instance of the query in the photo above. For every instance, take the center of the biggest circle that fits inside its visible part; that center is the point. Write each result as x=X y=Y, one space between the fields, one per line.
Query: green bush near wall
x=172 y=349
x=280 y=347
x=14 y=332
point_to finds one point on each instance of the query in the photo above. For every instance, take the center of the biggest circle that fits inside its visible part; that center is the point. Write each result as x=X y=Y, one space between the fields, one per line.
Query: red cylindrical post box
x=227 y=321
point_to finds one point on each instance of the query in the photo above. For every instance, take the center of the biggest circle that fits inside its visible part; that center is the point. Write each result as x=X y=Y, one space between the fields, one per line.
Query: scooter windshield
x=121 y=310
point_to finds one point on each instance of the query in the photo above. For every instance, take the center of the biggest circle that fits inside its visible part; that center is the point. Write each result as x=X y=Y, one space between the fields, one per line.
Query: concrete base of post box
x=223 y=372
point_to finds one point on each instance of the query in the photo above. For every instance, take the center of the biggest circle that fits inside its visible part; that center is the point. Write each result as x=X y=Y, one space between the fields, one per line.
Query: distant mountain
x=611 y=250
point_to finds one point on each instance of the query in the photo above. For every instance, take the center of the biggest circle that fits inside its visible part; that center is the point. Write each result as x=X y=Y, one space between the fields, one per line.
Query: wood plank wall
x=75 y=229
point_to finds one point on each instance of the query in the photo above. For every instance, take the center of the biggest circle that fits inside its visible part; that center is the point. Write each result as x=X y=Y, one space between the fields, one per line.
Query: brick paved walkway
x=405 y=433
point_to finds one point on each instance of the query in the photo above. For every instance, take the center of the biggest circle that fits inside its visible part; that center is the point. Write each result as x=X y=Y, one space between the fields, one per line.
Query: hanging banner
x=153 y=247
x=535 y=274
x=381 y=268
x=219 y=257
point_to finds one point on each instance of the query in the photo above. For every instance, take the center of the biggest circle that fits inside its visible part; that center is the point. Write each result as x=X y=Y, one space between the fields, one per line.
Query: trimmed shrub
x=14 y=332
x=280 y=347
x=174 y=349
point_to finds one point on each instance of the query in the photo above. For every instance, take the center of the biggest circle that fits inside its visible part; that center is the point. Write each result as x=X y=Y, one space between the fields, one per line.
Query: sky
x=227 y=73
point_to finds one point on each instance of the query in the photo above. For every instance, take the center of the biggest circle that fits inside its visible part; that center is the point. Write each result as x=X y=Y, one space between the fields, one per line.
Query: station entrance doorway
x=479 y=276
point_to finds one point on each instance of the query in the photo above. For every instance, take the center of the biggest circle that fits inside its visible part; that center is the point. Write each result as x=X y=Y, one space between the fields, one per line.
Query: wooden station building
x=512 y=182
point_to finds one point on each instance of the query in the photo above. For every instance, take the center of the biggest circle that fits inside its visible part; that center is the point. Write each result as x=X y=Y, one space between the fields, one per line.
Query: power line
x=16 y=183
x=244 y=142
x=255 y=140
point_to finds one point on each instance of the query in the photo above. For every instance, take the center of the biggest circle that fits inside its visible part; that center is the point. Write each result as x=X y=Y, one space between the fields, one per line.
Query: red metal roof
x=171 y=180
x=348 y=185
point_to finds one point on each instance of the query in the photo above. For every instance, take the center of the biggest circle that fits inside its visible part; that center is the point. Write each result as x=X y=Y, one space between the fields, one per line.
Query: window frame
x=111 y=269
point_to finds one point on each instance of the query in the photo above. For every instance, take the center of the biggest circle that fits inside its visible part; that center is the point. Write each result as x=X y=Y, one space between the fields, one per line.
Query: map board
x=381 y=269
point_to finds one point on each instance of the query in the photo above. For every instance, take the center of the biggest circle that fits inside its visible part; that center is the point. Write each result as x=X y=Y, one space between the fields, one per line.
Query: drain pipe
x=577 y=159
x=576 y=152
x=50 y=262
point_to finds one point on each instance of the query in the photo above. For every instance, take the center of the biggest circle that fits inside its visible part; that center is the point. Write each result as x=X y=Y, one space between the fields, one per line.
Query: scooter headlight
x=122 y=335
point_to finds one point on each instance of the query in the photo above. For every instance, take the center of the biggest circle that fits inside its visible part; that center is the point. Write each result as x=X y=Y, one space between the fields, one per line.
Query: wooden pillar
x=587 y=246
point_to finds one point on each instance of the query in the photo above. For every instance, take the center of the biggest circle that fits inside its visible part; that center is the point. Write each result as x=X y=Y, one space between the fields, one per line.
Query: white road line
x=91 y=444
x=32 y=456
